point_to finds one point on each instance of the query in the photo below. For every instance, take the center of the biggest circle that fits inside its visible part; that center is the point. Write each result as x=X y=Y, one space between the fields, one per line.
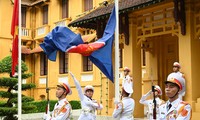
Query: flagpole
x=19 y=67
x=117 y=52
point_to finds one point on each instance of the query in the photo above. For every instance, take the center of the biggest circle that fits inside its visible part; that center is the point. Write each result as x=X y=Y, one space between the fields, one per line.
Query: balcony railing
x=26 y=33
x=63 y=22
x=42 y=31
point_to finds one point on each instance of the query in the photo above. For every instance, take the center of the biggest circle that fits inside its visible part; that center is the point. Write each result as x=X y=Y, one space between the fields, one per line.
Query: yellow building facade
x=155 y=42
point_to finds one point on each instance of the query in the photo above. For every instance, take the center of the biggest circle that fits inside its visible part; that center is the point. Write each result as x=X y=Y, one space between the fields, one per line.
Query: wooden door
x=169 y=54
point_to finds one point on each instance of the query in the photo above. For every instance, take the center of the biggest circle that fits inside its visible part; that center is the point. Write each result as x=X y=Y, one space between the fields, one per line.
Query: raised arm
x=78 y=87
x=144 y=97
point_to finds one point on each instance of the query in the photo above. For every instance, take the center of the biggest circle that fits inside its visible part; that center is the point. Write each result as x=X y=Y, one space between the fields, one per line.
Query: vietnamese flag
x=14 y=33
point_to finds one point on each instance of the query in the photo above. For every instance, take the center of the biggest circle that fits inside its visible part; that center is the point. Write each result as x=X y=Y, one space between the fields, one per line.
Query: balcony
x=42 y=31
x=63 y=22
x=26 y=34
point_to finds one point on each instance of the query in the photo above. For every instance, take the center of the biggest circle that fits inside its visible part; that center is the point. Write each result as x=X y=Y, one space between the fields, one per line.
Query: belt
x=88 y=111
x=127 y=116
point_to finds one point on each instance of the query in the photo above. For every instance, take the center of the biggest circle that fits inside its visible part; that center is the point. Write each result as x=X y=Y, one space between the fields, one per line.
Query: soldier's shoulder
x=67 y=104
x=162 y=102
x=131 y=100
x=162 y=105
x=184 y=103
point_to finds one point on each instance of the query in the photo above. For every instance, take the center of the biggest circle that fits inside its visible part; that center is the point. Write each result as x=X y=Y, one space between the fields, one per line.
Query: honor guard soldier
x=88 y=104
x=124 y=109
x=62 y=110
x=175 y=108
x=176 y=69
x=149 y=103
x=127 y=77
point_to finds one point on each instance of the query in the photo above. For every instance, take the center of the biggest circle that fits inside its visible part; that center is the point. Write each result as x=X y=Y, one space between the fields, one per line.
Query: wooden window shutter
x=66 y=63
x=61 y=62
x=41 y=64
x=88 y=5
x=45 y=14
x=23 y=17
x=65 y=8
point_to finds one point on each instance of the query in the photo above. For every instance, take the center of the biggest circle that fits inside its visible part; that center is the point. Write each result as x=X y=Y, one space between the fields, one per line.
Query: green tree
x=8 y=85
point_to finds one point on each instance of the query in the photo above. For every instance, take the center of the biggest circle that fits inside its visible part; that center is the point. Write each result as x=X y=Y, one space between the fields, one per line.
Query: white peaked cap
x=65 y=85
x=128 y=87
x=88 y=87
x=177 y=64
x=126 y=69
x=157 y=88
x=177 y=79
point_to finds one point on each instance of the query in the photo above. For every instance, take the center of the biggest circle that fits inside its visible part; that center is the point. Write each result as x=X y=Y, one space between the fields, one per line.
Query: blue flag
x=59 y=39
x=102 y=57
x=99 y=52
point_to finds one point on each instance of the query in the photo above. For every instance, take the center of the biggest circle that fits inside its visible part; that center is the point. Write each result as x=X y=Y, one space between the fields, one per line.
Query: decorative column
x=189 y=55
x=133 y=60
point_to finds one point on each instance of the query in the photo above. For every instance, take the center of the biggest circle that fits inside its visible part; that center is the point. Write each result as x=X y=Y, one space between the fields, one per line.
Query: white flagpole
x=117 y=52
x=19 y=67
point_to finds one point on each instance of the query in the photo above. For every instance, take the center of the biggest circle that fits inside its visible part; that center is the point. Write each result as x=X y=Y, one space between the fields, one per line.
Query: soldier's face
x=175 y=68
x=171 y=89
x=59 y=92
x=89 y=93
x=156 y=93
x=126 y=72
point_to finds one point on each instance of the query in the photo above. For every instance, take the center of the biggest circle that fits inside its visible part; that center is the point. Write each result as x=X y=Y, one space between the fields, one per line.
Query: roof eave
x=103 y=16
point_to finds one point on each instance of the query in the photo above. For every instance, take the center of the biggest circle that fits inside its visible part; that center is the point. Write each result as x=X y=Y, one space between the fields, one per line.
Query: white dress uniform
x=149 y=103
x=177 y=64
x=124 y=109
x=88 y=105
x=179 y=111
x=128 y=79
x=62 y=110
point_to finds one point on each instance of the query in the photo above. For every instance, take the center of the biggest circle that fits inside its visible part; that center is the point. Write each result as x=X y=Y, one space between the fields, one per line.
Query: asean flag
x=99 y=52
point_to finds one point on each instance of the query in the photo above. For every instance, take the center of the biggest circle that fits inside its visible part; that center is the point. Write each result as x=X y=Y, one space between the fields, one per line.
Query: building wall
x=5 y=36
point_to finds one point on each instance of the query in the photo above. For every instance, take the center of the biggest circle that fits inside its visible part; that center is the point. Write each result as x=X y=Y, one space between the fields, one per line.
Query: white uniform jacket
x=180 y=110
x=88 y=105
x=62 y=111
x=128 y=79
x=149 y=103
x=124 y=109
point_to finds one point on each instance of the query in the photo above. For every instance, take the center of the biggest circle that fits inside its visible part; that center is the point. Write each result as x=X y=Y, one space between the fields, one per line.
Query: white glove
x=46 y=116
x=95 y=101
x=150 y=91
x=71 y=74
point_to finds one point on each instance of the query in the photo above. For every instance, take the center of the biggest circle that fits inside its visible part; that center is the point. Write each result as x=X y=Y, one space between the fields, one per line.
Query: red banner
x=14 y=32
